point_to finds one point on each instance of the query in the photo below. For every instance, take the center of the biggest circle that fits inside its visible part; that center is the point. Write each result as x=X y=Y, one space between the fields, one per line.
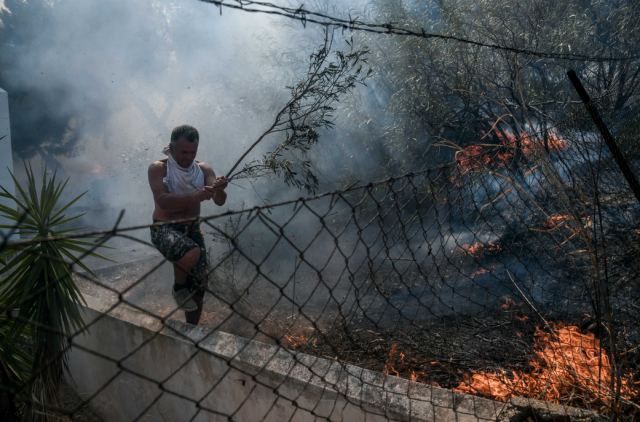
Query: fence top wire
x=305 y=15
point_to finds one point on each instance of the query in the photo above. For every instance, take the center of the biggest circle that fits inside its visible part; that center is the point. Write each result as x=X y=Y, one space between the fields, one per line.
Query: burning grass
x=478 y=249
x=568 y=367
x=431 y=354
x=562 y=365
x=480 y=157
x=303 y=339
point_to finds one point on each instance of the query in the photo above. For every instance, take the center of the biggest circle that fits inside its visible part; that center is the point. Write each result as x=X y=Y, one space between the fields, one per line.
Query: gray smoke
x=95 y=88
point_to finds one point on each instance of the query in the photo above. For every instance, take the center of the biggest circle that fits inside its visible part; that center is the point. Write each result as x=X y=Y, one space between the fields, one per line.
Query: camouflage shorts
x=175 y=240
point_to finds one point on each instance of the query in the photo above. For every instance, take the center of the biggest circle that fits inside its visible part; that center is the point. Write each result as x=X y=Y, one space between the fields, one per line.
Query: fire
x=389 y=366
x=507 y=303
x=473 y=249
x=476 y=249
x=480 y=271
x=510 y=141
x=567 y=365
x=297 y=341
x=555 y=143
x=479 y=157
x=472 y=157
x=556 y=220
x=397 y=365
x=531 y=143
x=574 y=225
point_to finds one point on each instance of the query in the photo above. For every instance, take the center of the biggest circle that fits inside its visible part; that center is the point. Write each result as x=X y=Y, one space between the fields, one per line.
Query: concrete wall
x=130 y=366
x=6 y=156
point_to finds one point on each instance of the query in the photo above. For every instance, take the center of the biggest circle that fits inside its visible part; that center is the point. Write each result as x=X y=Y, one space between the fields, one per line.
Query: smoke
x=95 y=88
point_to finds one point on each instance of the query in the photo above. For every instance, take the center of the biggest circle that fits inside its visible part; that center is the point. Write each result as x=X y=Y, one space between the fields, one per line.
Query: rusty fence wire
x=500 y=287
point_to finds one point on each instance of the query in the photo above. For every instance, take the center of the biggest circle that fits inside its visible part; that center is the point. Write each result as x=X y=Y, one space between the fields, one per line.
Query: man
x=179 y=184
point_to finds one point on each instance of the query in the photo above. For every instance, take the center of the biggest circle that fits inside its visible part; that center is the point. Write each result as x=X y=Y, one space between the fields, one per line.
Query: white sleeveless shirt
x=182 y=180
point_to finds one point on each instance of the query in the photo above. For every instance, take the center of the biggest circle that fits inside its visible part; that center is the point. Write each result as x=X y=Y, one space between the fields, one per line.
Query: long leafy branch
x=309 y=110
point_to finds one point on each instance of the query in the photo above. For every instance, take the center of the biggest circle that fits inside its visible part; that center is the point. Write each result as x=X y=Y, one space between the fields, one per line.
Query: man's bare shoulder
x=161 y=163
x=205 y=167
x=158 y=167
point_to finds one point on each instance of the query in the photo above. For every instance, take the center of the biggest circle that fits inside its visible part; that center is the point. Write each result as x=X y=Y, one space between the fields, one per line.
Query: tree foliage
x=437 y=90
x=308 y=111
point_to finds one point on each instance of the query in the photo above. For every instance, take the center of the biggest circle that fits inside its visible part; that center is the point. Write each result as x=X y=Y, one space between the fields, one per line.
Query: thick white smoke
x=121 y=74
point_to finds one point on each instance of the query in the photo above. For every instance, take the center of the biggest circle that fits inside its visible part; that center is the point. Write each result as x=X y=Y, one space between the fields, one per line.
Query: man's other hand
x=216 y=190
x=219 y=184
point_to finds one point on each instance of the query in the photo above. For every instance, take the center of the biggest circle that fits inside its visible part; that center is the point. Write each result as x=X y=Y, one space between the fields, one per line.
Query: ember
x=472 y=157
x=298 y=341
x=473 y=249
x=398 y=365
x=574 y=225
x=479 y=157
x=389 y=366
x=531 y=143
x=555 y=143
x=568 y=365
x=507 y=304
x=480 y=271
x=557 y=220
x=477 y=249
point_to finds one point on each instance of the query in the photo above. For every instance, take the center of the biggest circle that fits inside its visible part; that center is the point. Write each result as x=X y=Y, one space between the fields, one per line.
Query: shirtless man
x=179 y=184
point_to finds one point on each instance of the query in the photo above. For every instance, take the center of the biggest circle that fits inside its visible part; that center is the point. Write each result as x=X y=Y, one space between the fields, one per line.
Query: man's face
x=184 y=152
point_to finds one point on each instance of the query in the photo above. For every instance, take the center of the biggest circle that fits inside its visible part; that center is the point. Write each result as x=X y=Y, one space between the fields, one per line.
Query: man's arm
x=215 y=185
x=171 y=201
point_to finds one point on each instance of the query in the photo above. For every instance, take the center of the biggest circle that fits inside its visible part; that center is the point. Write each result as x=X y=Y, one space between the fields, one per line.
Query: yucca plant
x=38 y=296
x=15 y=367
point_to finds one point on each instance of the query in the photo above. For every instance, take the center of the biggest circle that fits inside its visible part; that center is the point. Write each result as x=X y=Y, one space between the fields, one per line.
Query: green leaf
x=36 y=278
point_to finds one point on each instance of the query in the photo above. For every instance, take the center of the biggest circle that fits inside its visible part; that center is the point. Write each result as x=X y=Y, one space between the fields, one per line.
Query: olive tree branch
x=309 y=109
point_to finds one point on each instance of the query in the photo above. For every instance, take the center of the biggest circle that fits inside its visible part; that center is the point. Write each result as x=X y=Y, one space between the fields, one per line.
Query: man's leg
x=183 y=286
x=172 y=241
x=183 y=266
x=193 y=317
x=198 y=278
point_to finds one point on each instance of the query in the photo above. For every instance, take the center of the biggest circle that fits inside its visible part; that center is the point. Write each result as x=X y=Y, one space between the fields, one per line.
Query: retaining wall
x=129 y=366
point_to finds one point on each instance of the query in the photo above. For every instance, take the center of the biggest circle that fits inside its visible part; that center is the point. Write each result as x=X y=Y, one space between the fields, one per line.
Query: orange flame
x=480 y=271
x=472 y=249
x=476 y=249
x=507 y=303
x=296 y=341
x=530 y=143
x=397 y=365
x=567 y=364
x=478 y=157
x=556 y=220
x=472 y=157
x=389 y=368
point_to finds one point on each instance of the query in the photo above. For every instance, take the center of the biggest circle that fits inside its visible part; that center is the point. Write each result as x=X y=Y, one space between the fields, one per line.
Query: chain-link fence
x=510 y=274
